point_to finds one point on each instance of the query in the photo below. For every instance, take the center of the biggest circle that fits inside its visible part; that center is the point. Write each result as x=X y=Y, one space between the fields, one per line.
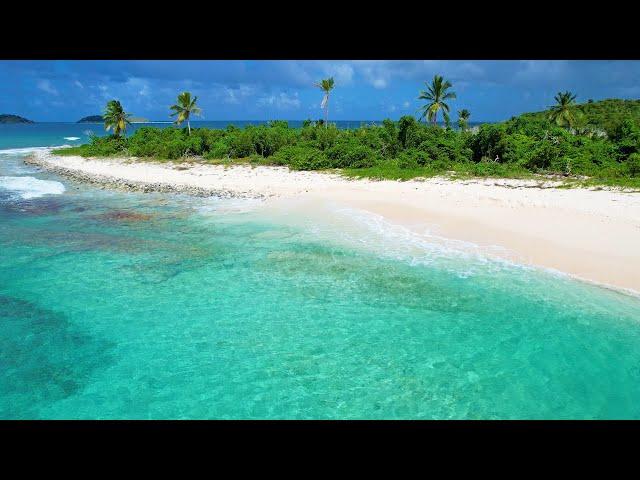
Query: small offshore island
x=100 y=119
x=8 y=118
x=91 y=119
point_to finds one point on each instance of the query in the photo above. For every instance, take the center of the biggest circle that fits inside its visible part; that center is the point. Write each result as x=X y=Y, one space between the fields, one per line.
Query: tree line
x=557 y=142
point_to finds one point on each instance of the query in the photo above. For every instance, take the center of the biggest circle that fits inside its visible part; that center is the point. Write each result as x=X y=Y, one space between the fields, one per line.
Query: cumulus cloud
x=536 y=71
x=341 y=72
x=138 y=87
x=235 y=95
x=46 y=86
x=282 y=100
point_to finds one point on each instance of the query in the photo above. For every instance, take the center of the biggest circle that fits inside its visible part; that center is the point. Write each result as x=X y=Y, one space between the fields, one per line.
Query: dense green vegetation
x=521 y=147
x=597 y=143
x=604 y=116
x=8 y=118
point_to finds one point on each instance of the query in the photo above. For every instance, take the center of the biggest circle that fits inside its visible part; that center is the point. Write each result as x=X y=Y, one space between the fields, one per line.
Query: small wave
x=72 y=138
x=28 y=150
x=30 y=187
x=391 y=240
x=228 y=205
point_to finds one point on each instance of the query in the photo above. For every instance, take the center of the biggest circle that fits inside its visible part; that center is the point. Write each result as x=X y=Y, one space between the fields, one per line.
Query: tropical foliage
x=184 y=108
x=524 y=146
x=564 y=113
x=436 y=94
x=326 y=85
x=463 y=119
x=115 y=118
x=602 y=117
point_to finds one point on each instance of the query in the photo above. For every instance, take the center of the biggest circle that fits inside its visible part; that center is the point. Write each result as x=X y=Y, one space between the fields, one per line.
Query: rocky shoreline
x=115 y=183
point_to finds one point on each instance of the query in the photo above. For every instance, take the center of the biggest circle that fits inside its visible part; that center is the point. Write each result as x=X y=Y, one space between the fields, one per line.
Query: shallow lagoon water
x=127 y=305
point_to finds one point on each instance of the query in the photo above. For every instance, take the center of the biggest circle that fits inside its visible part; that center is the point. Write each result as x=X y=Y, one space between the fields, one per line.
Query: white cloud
x=138 y=87
x=342 y=73
x=380 y=82
x=104 y=92
x=281 y=101
x=46 y=86
x=235 y=95
x=78 y=84
x=406 y=104
x=536 y=71
x=381 y=73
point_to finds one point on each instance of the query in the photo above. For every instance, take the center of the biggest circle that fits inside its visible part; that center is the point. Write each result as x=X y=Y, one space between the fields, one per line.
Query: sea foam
x=391 y=240
x=28 y=150
x=30 y=187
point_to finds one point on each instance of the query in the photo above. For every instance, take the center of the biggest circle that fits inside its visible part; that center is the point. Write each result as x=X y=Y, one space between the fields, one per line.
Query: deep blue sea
x=137 y=306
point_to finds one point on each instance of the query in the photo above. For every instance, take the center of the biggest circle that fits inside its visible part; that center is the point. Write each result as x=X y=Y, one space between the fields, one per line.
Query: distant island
x=100 y=119
x=8 y=118
x=91 y=119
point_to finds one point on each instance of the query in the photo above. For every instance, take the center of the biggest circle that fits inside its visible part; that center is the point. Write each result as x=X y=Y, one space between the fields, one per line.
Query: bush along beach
x=593 y=143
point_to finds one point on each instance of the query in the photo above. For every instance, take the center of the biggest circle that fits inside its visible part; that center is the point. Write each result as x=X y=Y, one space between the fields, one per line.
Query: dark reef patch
x=32 y=207
x=43 y=357
x=123 y=216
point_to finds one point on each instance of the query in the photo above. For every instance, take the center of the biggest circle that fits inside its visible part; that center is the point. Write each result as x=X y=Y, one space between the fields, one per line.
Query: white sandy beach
x=591 y=234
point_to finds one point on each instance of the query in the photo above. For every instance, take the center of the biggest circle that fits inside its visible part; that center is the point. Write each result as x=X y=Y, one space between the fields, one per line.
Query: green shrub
x=300 y=157
x=242 y=143
x=488 y=142
x=325 y=138
x=412 y=158
x=515 y=148
x=633 y=165
x=407 y=131
x=351 y=154
x=218 y=150
x=106 y=146
x=545 y=154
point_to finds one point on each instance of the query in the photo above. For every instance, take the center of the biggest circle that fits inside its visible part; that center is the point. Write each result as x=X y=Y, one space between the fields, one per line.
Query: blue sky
x=283 y=89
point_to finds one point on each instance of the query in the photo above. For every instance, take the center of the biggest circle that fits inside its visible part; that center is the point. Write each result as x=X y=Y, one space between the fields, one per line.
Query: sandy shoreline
x=593 y=235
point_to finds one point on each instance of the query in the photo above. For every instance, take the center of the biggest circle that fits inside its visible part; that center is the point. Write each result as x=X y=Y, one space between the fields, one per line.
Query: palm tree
x=326 y=85
x=463 y=118
x=563 y=113
x=436 y=93
x=116 y=118
x=184 y=108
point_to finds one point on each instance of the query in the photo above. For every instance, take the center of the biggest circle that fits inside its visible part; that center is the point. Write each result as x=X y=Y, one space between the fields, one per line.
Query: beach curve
x=587 y=233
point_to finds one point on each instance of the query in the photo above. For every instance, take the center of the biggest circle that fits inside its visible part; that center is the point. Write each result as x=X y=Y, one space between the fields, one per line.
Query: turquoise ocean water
x=127 y=305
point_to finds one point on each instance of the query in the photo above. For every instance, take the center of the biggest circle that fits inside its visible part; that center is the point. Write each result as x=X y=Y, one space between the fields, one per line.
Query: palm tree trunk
x=326 y=113
x=189 y=126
